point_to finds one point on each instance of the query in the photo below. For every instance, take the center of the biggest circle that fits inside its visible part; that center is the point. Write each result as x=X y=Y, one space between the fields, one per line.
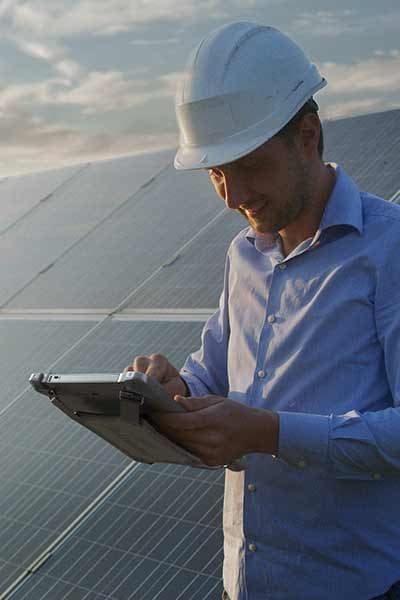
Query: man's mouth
x=256 y=209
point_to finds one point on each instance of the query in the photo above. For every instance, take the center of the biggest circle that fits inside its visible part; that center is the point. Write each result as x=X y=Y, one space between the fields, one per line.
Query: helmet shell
x=241 y=85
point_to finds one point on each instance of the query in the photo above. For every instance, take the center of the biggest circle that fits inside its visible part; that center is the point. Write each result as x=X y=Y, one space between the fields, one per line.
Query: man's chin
x=262 y=228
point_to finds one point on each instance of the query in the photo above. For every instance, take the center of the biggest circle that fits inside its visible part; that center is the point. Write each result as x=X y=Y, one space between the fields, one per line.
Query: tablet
x=122 y=409
x=99 y=393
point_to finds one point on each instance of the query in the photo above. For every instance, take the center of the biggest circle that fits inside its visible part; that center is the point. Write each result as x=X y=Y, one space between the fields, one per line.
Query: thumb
x=192 y=404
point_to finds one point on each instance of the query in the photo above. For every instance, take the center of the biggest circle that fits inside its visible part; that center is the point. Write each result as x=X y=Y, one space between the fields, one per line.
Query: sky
x=85 y=80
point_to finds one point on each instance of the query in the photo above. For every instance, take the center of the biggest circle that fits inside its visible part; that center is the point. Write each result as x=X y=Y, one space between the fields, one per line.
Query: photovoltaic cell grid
x=56 y=579
x=125 y=249
x=195 y=278
x=158 y=536
x=28 y=347
x=368 y=148
x=50 y=468
x=75 y=210
x=20 y=195
x=48 y=471
x=8 y=573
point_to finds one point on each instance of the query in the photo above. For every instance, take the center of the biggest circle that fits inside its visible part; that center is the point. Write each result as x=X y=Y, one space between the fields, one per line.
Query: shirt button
x=252 y=547
x=271 y=319
x=283 y=266
x=251 y=487
x=302 y=464
x=261 y=374
x=377 y=476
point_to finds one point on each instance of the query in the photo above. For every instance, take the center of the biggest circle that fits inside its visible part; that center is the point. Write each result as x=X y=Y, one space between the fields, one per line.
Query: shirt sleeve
x=205 y=371
x=355 y=445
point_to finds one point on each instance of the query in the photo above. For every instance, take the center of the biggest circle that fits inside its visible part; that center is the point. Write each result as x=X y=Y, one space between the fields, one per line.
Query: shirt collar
x=344 y=204
x=343 y=208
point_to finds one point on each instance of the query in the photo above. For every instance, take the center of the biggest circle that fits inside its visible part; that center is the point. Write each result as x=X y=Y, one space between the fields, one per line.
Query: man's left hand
x=219 y=430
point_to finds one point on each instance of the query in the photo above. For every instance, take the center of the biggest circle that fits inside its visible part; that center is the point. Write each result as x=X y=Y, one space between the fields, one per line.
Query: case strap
x=129 y=408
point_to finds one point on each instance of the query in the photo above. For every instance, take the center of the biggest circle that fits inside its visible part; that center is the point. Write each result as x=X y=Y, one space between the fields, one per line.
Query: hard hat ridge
x=242 y=84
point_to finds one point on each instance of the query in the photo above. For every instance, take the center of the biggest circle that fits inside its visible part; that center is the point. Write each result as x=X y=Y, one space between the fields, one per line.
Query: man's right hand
x=158 y=367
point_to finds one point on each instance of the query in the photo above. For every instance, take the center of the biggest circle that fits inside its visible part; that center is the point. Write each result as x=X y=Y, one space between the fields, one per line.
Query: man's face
x=270 y=186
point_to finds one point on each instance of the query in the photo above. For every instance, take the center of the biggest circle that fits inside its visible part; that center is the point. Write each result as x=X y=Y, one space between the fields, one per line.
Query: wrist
x=187 y=391
x=264 y=434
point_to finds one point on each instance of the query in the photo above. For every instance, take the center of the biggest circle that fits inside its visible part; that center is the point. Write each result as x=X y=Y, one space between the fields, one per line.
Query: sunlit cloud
x=106 y=91
x=69 y=17
x=362 y=86
x=28 y=144
x=55 y=55
x=6 y=6
x=154 y=42
x=96 y=93
x=105 y=17
x=377 y=74
x=330 y=23
x=327 y=23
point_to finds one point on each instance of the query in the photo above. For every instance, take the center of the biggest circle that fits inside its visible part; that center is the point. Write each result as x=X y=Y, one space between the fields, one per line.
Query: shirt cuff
x=304 y=439
x=195 y=386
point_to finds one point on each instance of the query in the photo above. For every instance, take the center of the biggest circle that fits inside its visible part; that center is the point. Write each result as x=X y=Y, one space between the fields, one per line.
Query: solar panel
x=157 y=536
x=195 y=278
x=368 y=148
x=125 y=249
x=34 y=243
x=156 y=532
x=50 y=468
x=20 y=195
x=28 y=346
x=9 y=573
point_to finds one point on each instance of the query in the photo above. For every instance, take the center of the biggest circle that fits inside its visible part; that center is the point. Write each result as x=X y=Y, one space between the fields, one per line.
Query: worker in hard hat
x=298 y=368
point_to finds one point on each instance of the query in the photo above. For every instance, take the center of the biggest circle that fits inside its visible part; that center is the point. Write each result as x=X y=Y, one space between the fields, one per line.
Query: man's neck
x=304 y=227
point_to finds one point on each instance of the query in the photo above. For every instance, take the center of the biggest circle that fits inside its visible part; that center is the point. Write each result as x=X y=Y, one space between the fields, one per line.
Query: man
x=298 y=367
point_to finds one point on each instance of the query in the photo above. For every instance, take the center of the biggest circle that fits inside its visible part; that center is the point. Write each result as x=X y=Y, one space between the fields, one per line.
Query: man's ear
x=309 y=131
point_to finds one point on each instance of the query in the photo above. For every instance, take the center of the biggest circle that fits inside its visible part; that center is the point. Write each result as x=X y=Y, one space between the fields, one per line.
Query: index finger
x=141 y=364
x=157 y=367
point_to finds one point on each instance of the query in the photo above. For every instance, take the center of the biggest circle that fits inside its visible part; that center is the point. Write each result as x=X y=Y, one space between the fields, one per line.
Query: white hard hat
x=241 y=86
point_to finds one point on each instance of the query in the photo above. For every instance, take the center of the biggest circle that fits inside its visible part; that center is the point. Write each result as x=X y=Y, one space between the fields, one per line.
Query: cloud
x=55 y=55
x=105 y=91
x=362 y=86
x=70 y=17
x=16 y=96
x=73 y=17
x=98 y=92
x=6 y=6
x=377 y=74
x=30 y=144
x=154 y=42
x=325 y=23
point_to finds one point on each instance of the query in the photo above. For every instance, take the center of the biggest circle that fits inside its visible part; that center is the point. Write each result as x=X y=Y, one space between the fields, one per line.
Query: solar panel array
x=104 y=262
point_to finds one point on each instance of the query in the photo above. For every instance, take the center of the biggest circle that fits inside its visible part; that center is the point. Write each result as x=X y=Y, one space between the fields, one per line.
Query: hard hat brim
x=193 y=158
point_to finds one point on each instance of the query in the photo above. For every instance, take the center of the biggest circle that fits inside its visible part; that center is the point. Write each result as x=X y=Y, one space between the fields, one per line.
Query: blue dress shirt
x=314 y=336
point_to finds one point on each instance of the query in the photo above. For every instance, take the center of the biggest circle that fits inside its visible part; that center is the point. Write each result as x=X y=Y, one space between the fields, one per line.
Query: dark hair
x=289 y=129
